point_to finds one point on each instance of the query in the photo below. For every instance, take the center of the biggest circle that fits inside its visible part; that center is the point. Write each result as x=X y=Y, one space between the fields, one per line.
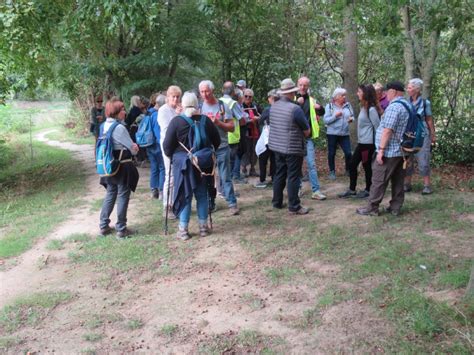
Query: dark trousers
x=345 y=144
x=287 y=167
x=391 y=171
x=262 y=164
x=362 y=153
x=249 y=157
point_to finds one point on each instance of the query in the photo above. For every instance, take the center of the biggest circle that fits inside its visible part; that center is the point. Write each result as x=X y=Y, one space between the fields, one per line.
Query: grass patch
x=8 y=342
x=96 y=205
x=281 y=275
x=70 y=135
x=55 y=244
x=78 y=238
x=30 y=310
x=254 y=302
x=92 y=337
x=169 y=330
x=134 y=324
x=137 y=253
x=457 y=278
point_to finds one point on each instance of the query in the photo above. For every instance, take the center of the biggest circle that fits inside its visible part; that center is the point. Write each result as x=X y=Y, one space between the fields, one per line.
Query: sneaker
x=407 y=188
x=234 y=211
x=363 y=194
x=427 y=190
x=105 y=231
x=318 y=195
x=261 y=185
x=368 y=211
x=220 y=195
x=301 y=211
x=347 y=193
x=183 y=234
x=204 y=230
x=123 y=234
x=332 y=175
x=392 y=212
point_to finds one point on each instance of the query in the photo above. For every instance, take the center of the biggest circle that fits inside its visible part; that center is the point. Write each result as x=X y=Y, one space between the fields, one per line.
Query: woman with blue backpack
x=122 y=181
x=190 y=141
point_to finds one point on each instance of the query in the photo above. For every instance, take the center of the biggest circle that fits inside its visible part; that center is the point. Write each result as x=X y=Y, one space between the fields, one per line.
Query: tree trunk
x=428 y=64
x=408 y=50
x=350 y=64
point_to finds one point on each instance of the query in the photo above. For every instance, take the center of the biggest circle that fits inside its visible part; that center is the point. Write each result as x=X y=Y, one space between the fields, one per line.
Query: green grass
x=7 y=342
x=55 y=244
x=169 y=330
x=134 y=324
x=282 y=274
x=69 y=135
x=92 y=337
x=30 y=310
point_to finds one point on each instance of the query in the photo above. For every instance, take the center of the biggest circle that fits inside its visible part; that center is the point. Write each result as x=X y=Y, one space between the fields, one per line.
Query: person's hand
x=379 y=157
x=135 y=147
x=317 y=106
x=339 y=113
x=100 y=118
x=300 y=100
x=179 y=109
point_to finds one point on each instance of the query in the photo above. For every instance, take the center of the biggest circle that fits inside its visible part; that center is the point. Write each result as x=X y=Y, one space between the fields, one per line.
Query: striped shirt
x=395 y=118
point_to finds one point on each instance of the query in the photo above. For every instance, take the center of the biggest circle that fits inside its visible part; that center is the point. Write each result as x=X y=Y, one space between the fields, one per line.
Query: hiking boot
x=204 y=230
x=234 y=211
x=368 y=211
x=407 y=188
x=318 y=195
x=183 y=234
x=347 y=194
x=332 y=175
x=362 y=194
x=427 y=190
x=105 y=231
x=123 y=234
x=301 y=211
x=391 y=211
x=261 y=185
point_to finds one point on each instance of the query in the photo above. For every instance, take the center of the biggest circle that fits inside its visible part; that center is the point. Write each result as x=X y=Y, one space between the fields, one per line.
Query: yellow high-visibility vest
x=313 y=119
x=233 y=137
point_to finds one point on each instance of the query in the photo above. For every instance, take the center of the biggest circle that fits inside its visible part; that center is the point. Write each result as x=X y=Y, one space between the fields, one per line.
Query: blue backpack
x=105 y=162
x=200 y=154
x=414 y=135
x=144 y=135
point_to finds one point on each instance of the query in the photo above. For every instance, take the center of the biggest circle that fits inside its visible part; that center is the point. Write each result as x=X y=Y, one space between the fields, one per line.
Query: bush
x=455 y=143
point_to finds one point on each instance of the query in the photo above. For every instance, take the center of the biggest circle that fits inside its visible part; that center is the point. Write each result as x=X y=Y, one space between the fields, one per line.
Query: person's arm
x=331 y=117
x=171 y=139
x=374 y=117
x=122 y=136
x=429 y=121
x=386 y=135
x=319 y=111
x=301 y=121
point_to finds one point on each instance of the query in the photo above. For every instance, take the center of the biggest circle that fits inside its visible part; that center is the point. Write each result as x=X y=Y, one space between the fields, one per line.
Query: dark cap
x=395 y=85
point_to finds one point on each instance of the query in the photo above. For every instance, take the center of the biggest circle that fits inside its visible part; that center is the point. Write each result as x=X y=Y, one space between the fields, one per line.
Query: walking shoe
x=301 y=211
x=234 y=211
x=407 y=188
x=279 y=207
x=427 y=190
x=123 y=234
x=204 y=230
x=347 y=193
x=160 y=196
x=261 y=185
x=368 y=211
x=363 y=194
x=155 y=193
x=332 y=175
x=183 y=234
x=220 y=195
x=104 y=231
x=318 y=195
x=391 y=211
x=240 y=181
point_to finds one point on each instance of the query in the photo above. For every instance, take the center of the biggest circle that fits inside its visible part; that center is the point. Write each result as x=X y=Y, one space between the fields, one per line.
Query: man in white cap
x=288 y=129
x=242 y=84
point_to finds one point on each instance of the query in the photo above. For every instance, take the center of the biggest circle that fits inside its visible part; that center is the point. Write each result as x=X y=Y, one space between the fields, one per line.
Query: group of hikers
x=201 y=145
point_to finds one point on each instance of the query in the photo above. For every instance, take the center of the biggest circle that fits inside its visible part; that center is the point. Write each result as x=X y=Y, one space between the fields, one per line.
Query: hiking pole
x=168 y=198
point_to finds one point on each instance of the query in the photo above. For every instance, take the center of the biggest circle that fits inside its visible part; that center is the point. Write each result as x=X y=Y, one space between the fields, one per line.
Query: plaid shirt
x=395 y=118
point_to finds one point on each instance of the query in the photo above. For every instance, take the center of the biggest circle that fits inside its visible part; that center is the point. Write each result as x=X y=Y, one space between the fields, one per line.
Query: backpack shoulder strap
x=187 y=119
x=111 y=129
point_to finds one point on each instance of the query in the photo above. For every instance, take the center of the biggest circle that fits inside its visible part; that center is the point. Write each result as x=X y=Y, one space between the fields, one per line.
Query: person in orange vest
x=311 y=110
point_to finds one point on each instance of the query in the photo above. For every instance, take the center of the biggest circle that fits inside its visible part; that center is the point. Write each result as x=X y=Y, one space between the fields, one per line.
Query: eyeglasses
x=99 y=102
x=248 y=97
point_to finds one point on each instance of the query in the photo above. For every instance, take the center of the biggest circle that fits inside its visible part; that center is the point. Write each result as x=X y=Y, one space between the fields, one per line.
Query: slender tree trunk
x=408 y=49
x=350 y=64
x=428 y=64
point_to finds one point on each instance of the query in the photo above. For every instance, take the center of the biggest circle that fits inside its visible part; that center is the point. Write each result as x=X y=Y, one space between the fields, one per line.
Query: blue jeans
x=202 y=205
x=235 y=160
x=157 y=167
x=345 y=143
x=311 y=162
x=225 y=178
x=121 y=193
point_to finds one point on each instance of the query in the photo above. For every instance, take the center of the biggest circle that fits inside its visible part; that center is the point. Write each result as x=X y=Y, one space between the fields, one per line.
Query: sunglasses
x=248 y=97
x=99 y=102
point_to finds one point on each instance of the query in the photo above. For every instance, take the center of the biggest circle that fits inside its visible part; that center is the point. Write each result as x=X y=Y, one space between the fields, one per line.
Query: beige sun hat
x=286 y=86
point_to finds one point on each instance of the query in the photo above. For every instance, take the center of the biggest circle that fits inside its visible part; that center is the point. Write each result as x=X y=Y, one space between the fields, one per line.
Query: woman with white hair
x=181 y=138
x=423 y=157
x=165 y=114
x=339 y=114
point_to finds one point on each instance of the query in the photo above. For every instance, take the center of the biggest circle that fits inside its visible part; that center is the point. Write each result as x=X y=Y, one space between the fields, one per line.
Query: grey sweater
x=367 y=125
x=120 y=136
